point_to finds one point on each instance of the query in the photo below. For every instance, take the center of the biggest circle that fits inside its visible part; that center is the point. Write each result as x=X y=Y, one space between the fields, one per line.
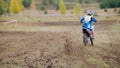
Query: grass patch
x=116 y=27
x=40 y=19
x=12 y=27
x=51 y=18
x=107 y=18
x=98 y=63
x=21 y=19
x=79 y=65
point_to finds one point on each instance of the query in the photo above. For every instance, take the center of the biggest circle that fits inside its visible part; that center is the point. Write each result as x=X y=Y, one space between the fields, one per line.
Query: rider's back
x=87 y=18
x=87 y=21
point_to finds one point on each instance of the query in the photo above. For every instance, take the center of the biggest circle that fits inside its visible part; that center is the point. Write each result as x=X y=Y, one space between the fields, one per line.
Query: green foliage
x=87 y=1
x=42 y=7
x=99 y=1
x=57 y=7
x=71 y=12
x=80 y=1
x=6 y=5
x=62 y=7
x=26 y=3
x=95 y=14
x=50 y=1
x=15 y=6
x=45 y=12
x=57 y=4
x=110 y=3
x=1 y=7
x=44 y=2
x=6 y=0
x=119 y=12
x=105 y=10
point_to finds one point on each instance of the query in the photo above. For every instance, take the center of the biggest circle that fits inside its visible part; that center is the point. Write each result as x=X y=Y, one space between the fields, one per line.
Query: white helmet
x=90 y=12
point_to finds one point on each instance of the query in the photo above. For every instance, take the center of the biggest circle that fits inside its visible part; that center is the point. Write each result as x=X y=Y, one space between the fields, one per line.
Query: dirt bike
x=88 y=36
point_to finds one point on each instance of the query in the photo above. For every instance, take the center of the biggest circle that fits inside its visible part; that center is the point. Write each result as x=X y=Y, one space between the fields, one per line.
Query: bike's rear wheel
x=85 y=39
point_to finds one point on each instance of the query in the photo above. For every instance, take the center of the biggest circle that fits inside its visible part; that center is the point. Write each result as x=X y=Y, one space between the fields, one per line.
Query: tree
x=50 y=1
x=99 y=1
x=87 y=1
x=14 y=6
x=1 y=7
x=77 y=9
x=110 y=4
x=27 y=3
x=62 y=7
x=55 y=3
x=42 y=7
x=21 y=5
x=80 y=1
x=6 y=2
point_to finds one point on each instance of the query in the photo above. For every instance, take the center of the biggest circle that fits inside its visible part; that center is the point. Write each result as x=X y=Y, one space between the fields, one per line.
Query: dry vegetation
x=45 y=41
x=55 y=41
x=59 y=45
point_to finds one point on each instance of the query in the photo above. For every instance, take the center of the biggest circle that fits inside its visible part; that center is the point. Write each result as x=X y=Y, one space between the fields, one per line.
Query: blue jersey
x=87 y=24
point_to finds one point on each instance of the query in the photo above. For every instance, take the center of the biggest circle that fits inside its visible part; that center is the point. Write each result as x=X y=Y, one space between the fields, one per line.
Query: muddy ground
x=60 y=46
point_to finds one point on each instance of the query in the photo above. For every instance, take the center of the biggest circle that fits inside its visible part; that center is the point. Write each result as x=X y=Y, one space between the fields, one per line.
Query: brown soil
x=61 y=47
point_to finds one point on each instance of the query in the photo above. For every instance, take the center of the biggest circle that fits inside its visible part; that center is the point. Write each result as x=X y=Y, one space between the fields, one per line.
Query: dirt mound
x=34 y=49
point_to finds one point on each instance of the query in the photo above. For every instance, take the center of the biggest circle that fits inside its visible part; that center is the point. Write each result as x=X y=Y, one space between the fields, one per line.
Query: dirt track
x=60 y=47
